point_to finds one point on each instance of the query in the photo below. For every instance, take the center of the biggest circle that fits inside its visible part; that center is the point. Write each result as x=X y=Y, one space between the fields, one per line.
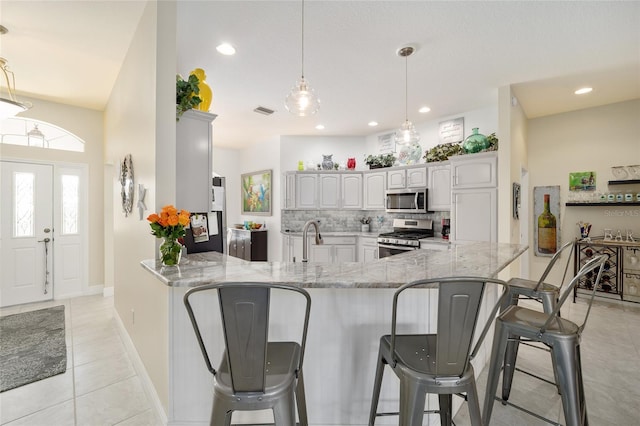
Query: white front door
x=26 y=233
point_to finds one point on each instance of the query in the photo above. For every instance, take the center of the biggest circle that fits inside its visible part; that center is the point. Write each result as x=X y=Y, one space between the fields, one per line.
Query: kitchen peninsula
x=351 y=309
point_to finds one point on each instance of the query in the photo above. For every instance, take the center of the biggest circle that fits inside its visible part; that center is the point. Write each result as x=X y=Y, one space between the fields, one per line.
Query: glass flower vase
x=170 y=252
x=476 y=142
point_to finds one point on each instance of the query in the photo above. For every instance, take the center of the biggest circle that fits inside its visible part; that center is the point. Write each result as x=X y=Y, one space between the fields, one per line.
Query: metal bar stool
x=560 y=335
x=436 y=363
x=541 y=291
x=254 y=374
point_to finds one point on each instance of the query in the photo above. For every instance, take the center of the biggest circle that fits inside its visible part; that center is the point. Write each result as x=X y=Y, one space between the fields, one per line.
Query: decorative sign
x=386 y=145
x=582 y=181
x=452 y=130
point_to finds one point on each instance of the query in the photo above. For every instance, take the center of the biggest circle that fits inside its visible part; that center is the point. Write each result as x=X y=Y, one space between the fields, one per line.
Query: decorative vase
x=351 y=163
x=365 y=227
x=170 y=252
x=327 y=162
x=476 y=142
x=205 y=91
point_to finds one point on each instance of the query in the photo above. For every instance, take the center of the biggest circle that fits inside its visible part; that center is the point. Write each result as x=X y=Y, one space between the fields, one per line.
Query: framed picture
x=582 y=181
x=546 y=220
x=256 y=193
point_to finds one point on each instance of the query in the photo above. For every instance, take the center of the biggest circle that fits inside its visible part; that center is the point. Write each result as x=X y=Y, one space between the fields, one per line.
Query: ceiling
x=71 y=51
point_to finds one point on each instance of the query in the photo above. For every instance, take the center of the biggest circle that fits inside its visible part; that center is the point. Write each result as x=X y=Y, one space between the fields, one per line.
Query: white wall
x=312 y=148
x=593 y=139
x=87 y=125
x=140 y=120
x=226 y=163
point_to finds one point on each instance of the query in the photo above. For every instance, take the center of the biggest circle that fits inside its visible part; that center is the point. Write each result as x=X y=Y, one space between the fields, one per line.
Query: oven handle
x=405 y=248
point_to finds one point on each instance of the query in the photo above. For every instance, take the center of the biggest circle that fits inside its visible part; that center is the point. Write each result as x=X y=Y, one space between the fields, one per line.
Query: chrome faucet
x=305 y=243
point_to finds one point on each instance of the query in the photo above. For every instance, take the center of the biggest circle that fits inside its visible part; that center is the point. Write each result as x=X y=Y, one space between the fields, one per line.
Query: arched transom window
x=39 y=134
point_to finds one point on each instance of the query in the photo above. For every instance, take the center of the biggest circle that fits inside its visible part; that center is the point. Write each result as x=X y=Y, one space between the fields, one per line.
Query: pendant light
x=9 y=107
x=407 y=133
x=302 y=100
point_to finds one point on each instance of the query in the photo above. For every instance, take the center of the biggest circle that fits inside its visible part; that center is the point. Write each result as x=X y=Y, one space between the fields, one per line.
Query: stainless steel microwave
x=406 y=200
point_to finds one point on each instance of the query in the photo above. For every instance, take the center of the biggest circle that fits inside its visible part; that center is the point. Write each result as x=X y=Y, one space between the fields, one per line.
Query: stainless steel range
x=406 y=236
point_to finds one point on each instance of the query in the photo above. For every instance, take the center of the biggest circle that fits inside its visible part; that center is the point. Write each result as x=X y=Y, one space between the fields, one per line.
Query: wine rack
x=610 y=284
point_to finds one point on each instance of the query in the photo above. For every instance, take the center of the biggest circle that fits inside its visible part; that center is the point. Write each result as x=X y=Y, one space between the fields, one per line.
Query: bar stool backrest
x=244 y=308
x=459 y=302
x=553 y=261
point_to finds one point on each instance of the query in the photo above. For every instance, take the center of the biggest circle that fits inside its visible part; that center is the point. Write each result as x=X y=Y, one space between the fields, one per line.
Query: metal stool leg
x=301 y=401
x=565 y=354
x=510 y=357
x=220 y=413
x=474 y=404
x=445 y=409
x=284 y=412
x=377 y=384
x=412 y=400
x=495 y=362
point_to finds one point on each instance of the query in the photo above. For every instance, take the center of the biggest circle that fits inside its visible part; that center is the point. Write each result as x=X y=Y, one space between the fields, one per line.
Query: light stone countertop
x=335 y=233
x=463 y=259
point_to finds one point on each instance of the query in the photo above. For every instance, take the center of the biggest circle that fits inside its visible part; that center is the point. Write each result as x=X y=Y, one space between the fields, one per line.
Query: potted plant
x=186 y=94
x=382 y=160
x=443 y=151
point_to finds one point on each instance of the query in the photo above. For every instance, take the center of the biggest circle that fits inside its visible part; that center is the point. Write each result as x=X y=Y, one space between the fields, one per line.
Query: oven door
x=386 y=250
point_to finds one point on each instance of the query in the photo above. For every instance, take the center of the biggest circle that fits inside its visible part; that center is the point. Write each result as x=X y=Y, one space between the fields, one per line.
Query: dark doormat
x=32 y=347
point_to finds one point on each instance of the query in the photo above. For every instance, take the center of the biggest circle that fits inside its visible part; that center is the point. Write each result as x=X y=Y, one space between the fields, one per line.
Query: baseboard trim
x=138 y=365
x=107 y=291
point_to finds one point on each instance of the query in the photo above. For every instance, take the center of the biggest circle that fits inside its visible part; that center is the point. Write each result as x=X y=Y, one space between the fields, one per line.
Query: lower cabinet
x=367 y=250
x=333 y=250
x=248 y=245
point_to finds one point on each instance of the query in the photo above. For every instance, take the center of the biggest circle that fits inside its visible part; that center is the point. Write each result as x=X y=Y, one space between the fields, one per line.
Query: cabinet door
x=351 y=188
x=346 y=253
x=288 y=198
x=416 y=177
x=476 y=172
x=306 y=191
x=396 y=179
x=369 y=253
x=439 y=188
x=244 y=248
x=329 y=191
x=296 y=249
x=474 y=215
x=286 y=249
x=373 y=192
x=322 y=253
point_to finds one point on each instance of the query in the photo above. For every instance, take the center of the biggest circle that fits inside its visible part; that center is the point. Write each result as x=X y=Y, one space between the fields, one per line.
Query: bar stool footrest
x=524 y=410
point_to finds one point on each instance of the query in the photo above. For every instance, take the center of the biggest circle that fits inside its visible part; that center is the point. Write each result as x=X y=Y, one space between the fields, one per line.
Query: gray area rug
x=32 y=347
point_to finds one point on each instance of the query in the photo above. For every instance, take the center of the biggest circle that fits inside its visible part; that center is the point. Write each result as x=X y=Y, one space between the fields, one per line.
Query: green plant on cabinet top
x=186 y=94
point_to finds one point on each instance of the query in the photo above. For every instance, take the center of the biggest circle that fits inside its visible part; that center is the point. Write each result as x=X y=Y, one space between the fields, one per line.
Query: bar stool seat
x=560 y=335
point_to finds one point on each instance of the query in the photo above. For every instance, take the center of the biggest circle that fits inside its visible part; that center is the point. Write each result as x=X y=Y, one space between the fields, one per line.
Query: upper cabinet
x=373 y=190
x=288 y=197
x=323 y=191
x=439 y=178
x=413 y=177
x=329 y=191
x=306 y=191
x=474 y=171
x=351 y=190
x=194 y=153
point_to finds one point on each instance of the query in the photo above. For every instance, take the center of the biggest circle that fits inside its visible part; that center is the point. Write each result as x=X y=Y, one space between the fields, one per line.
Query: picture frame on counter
x=256 y=192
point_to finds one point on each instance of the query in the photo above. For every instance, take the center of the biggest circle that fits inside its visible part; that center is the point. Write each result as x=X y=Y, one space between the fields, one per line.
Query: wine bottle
x=547 y=230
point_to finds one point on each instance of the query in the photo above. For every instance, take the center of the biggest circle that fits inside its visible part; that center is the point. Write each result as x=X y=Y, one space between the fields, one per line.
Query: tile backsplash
x=349 y=220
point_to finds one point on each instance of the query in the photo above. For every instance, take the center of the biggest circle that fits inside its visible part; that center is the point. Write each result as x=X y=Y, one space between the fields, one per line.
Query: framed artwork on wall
x=546 y=216
x=256 y=193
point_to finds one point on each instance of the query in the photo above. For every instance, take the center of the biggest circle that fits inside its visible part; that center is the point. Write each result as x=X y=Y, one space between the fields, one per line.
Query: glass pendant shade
x=406 y=134
x=302 y=100
x=10 y=108
x=35 y=137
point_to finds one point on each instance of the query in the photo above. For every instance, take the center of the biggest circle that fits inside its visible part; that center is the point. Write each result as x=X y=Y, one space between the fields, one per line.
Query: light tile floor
x=100 y=386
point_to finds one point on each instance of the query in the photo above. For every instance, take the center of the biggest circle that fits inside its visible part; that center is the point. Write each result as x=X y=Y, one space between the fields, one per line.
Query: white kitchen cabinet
x=474 y=171
x=374 y=185
x=329 y=191
x=367 y=249
x=333 y=250
x=288 y=197
x=412 y=177
x=194 y=161
x=291 y=248
x=474 y=215
x=439 y=195
x=351 y=190
x=306 y=191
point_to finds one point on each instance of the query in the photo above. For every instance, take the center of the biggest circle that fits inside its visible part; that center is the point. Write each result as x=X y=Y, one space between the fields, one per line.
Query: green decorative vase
x=476 y=142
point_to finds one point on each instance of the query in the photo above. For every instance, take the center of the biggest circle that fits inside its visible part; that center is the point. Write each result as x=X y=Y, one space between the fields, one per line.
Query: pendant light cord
x=302 y=54
x=406 y=88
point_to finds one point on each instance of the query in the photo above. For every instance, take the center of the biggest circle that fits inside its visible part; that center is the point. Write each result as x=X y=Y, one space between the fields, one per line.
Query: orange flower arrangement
x=169 y=224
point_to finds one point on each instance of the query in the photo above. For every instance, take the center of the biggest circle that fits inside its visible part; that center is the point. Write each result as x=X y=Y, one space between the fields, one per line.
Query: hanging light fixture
x=407 y=133
x=35 y=137
x=9 y=107
x=302 y=100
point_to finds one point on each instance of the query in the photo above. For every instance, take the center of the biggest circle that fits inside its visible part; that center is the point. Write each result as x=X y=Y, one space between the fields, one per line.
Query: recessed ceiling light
x=320 y=127
x=424 y=109
x=373 y=123
x=583 y=90
x=226 y=49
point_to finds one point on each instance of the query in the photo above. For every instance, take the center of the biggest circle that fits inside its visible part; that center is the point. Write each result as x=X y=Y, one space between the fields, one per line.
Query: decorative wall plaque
x=126 y=184
x=452 y=130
